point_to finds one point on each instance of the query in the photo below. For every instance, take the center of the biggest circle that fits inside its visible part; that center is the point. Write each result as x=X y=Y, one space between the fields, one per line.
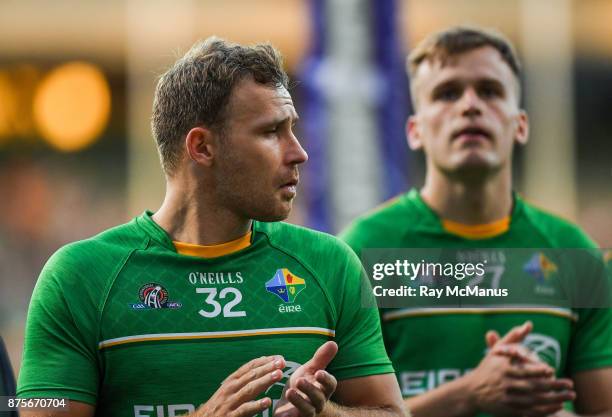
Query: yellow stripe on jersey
x=215 y=335
x=213 y=251
x=477 y=231
x=416 y=312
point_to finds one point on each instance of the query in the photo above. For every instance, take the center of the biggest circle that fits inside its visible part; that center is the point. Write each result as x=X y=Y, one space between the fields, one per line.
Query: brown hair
x=196 y=90
x=441 y=45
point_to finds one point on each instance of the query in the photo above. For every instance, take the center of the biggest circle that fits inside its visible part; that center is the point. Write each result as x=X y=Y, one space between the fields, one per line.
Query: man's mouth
x=290 y=186
x=472 y=134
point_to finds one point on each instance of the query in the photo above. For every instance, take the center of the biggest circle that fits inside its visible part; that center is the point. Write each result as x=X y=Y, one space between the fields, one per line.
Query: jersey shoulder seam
x=377 y=219
x=307 y=267
x=528 y=212
x=144 y=244
x=115 y=274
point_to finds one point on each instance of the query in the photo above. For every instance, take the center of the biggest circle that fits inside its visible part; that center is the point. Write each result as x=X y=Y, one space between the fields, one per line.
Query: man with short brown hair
x=210 y=307
x=466 y=93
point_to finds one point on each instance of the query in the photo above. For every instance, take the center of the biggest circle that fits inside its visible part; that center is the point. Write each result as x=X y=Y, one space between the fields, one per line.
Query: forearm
x=335 y=410
x=452 y=399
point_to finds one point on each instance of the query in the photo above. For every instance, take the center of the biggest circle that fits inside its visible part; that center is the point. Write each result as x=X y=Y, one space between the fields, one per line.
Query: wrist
x=451 y=399
x=329 y=410
x=468 y=388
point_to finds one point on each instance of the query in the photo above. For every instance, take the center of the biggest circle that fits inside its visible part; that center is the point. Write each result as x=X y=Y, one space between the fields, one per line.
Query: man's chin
x=476 y=160
x=275 y=214
x=473 y=167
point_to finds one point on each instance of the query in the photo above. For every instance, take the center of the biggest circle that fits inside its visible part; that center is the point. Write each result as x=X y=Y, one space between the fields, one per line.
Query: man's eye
x=449 y=94
x=488 y=92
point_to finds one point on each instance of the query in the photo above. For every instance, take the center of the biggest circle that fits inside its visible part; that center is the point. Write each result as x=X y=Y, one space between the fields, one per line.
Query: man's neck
x=470 y=203
x=188 y=216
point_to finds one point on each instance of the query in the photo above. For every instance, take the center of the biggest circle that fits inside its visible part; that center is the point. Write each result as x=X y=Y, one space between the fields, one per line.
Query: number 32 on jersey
x=231 y=297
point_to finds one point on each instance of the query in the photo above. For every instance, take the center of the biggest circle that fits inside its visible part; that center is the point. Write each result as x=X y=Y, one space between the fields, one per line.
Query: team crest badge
x=153 y=295
x=285 y=285
x=546 y=347
x=540 y=267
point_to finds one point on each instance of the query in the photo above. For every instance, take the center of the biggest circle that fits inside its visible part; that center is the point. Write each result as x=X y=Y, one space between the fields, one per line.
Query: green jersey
x=430 y=346
x=124 y=322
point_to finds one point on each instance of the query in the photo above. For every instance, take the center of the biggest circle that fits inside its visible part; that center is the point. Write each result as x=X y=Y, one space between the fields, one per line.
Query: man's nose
x=295 y=153
x=471 y=103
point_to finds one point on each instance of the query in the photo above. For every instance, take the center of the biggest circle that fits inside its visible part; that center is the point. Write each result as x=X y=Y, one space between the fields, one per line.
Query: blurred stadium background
x=76 y=85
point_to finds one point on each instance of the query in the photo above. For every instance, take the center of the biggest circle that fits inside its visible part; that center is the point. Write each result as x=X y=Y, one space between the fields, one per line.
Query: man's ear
x=201 y=145
x=413 y=134
x=522 y=129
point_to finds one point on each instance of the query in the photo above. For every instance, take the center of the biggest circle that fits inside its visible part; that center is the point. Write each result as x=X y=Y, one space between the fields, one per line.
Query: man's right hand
x=511 y=380
x=234 y=398
x=236 y=395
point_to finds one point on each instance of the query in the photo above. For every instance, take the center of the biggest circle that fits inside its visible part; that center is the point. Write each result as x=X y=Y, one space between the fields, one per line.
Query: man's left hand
x=310 y=386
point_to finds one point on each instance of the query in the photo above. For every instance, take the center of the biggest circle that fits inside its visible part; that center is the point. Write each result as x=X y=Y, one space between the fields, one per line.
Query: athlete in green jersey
x=570 y=341
x=210 y=307
x=466 y=93
x=124 y=309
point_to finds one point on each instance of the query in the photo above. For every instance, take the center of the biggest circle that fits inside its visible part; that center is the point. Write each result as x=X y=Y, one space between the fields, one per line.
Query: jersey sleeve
x=358 y=334
x=354 y=237
x=60 y=350
x=591 y=346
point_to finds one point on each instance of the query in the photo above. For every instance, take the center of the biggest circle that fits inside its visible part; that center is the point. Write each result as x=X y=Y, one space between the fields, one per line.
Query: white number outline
x=217 y=309
x=498 y=272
